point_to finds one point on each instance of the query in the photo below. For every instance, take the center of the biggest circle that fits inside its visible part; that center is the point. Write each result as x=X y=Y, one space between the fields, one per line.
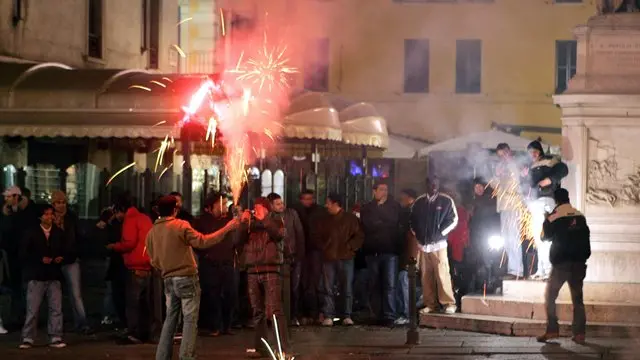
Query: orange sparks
x=223 y=27
x=139 y=87
x=158 y=83
x=270 y=67
x=159 y=123
x=179 y=50
x=120 y=172
x=184 y=21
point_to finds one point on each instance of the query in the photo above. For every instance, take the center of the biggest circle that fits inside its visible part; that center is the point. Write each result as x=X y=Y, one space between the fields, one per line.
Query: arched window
x=254 y=173
x=278 y=182
x=9 y=176
x=266 y=183
x=42 y=180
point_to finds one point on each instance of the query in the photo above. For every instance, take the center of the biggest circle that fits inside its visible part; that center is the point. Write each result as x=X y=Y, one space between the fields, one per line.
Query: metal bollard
x=413 y=335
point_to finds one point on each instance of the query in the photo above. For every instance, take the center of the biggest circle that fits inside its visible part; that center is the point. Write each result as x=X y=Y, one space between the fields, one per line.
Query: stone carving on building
x=616 y=6
x=611 y=181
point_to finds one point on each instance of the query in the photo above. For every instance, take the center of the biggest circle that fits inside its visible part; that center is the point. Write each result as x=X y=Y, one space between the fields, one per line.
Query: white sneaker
x=327 y=322
x=451 y=309
x=401 y=321
x=3 y=330
x=347 y=322
x=425 y=311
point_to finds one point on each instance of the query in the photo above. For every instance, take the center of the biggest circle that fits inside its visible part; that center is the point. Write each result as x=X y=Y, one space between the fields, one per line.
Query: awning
x=401 y=147
x=52 y=99
x=321 y=116
x=485 y=140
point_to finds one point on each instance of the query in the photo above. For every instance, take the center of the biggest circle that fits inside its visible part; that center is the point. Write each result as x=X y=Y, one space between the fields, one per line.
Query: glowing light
x=280 y=355
x=158 y=83
x=184 y=21
x=120 y=172
x=139 y=87
x=222 y=23
x=179 y=50
x=270 y=68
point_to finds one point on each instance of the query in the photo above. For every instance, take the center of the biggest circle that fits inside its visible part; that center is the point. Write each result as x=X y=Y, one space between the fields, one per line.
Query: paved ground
x=357 y=343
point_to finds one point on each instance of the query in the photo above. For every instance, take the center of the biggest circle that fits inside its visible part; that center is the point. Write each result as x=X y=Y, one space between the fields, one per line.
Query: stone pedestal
x=601 y=143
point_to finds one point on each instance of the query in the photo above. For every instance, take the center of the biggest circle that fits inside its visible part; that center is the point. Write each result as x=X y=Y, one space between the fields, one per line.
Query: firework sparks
x=145 y=88
x=179 y=50
x=120 y=172
x=270 y=68
x=280 y=355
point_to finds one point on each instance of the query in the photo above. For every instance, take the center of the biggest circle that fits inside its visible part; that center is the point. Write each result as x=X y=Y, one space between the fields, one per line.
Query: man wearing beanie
x=545 y=174
x=569 y=234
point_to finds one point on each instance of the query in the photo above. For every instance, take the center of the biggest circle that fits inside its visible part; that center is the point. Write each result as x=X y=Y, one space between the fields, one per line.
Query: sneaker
x=451 y=309
x=106 y=321
x=59 y=344
x=3 y=330
x=347 y=322
x=579 y=339
x=327 y=322
x=25 y=345
x=425 y=311
x=547 y=336
x=295 y=322
x=402 y=321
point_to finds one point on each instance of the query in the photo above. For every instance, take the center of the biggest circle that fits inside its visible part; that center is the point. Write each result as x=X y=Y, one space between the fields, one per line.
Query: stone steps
x=534 y=309
x=523 y=327
x=593 y=291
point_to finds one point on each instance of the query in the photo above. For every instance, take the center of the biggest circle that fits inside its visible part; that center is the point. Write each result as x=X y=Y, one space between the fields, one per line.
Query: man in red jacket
x=144 y=288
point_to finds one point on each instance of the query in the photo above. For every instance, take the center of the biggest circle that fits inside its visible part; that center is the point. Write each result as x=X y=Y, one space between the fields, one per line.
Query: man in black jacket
x=569 y=234
x=382 y=245
x=433 y=217
x=545 y=174
x=218 y=274
x=42 y=254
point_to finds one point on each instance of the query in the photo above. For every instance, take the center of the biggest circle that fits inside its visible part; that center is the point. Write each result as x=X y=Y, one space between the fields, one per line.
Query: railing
x=199 y=62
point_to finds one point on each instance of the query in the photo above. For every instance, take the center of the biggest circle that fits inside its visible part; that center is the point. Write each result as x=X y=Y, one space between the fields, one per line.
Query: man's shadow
x=548 y=352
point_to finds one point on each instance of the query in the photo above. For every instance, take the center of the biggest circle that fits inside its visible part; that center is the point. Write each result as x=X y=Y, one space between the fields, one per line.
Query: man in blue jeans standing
x=170 y=246
x=382 y=244
x=343 y=238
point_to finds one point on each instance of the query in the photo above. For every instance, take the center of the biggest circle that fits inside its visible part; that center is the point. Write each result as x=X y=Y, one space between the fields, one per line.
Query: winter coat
x=458 y=238
x=546 y=167
x=262 y=245
x=344 y=237
x=432 y=219
x=569 y=234
x=135 y=228
x=381 y=225
x=294 y=242
x=223 y=252
x=36 y=246
x=311 y=219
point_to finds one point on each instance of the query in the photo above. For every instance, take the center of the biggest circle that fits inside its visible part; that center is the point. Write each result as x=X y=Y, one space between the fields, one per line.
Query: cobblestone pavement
x=357 y=343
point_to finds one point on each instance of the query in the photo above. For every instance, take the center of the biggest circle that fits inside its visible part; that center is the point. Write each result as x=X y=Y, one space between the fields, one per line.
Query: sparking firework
x=268 y=68
x=281 y=355
x=507 y=191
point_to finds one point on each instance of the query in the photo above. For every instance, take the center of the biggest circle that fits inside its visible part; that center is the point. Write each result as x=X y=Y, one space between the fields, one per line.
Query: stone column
x=601 y=128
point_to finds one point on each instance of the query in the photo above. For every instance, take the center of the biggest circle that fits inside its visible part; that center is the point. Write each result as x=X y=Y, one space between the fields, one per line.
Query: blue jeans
x=36 y=291
x=71 y=273
x=340 y=271
x=383 y=269
x=403 y=294
x=183 y=296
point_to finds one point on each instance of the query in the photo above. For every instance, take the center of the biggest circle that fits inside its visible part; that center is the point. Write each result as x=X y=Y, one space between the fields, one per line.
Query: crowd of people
x=232 y=267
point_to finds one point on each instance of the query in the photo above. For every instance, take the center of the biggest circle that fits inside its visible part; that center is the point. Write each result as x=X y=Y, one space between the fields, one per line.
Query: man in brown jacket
x=343 y=237
x=170 y=246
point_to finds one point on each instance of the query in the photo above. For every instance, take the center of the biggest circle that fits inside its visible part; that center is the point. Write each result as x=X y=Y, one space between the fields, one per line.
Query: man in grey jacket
x=294 y=248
